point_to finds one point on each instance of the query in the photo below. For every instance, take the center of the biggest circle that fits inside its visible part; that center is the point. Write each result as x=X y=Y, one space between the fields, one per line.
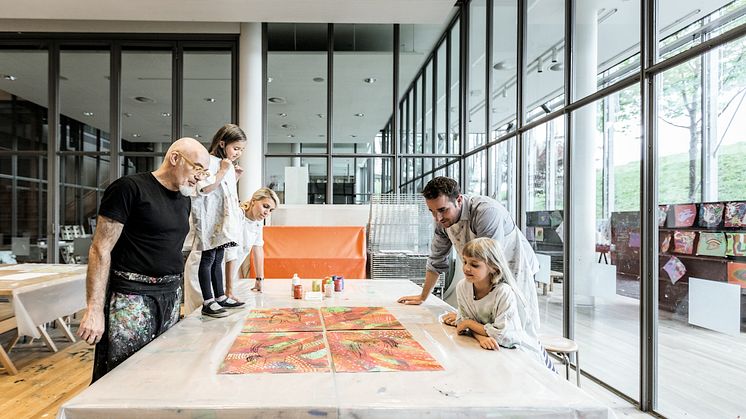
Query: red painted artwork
x=379 y=350
x=359 y=318
x=293 y=352
x=282 y=320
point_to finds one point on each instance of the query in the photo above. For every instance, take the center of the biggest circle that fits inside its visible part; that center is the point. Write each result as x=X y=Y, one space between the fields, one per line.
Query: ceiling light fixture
x=88 y=113
x=269 y=79
x=318 y=79
x=539 y=67
x=502 y=65
x=353 y=135
x=320 y=115
x=369 y=80
x=556 y=67
x=504 y=92
x=127 y=114
x=291 y=136
x=136 y=135
x=360 y=114
x=554 y=55
x=322 y=135
x=197 y=136
x=209 y=99
x=282 y=115
x=165 y=114
x=9 y=77
x=605 y=14
x=144 y=99
x=278 y=100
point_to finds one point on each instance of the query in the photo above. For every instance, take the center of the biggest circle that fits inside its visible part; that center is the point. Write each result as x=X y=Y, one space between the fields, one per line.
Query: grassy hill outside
x=673 y=175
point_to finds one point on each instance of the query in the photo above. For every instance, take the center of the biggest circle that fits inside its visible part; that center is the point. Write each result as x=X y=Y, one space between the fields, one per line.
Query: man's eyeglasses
x=200 y=172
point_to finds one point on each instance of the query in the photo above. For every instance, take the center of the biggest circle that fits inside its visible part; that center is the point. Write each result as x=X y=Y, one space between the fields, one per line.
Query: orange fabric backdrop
x=314 y=251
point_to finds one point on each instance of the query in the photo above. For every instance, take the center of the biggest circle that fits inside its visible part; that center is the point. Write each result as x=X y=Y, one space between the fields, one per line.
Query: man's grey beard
x=187 y=190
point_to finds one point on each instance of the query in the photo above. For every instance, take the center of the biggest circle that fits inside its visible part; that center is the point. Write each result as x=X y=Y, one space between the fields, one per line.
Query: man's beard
x=188 y=190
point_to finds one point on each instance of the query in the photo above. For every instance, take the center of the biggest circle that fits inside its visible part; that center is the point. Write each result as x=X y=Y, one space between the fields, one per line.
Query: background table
x=176 y=374
x=44 y=299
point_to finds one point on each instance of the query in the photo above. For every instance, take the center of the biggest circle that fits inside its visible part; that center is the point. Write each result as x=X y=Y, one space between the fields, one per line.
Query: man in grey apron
x=461 y=218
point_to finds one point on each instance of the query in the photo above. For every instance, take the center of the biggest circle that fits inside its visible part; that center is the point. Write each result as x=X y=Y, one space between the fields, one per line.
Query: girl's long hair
x=490 y=252
x=228 y=133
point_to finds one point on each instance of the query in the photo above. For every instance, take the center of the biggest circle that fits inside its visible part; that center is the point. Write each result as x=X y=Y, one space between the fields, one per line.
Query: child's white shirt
x=216 y=216
x=498 y=312
x=250 y=235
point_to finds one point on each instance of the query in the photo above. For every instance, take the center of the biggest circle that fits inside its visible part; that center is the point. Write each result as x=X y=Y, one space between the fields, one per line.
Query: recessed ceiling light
x=285 y=125
x=127 y=114
x=291 y=135
x=353 y=135
x=88 y=113
x=9 y=77
x=502 y=65
x=144 y=99
x=282 y=114
x=322 y=135
x=318 y=79
x=136 y=135
x=360 y=114
x=320 y=115
x=269 y=79
x=278 y=100
x=63 y=78
x=209 y=99
x=369 y=80
x=197 y=136
x=556 y=67
x=165 y=114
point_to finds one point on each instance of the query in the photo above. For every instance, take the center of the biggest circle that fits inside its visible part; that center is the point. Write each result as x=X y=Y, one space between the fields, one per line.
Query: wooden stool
x=562 y=347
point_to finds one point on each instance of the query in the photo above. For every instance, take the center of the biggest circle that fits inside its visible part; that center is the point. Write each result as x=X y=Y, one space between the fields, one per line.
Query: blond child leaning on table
x=251 y=239
x=488 y=302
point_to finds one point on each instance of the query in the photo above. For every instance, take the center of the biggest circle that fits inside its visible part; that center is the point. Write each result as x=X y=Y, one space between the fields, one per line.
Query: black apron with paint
x=138 y=309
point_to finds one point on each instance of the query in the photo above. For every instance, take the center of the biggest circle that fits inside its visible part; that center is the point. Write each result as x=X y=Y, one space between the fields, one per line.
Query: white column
x=582 y=161
x=295 y=148
x=250 y=107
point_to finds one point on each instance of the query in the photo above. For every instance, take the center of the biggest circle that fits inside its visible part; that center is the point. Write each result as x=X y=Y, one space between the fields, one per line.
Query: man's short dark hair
x=441 y=185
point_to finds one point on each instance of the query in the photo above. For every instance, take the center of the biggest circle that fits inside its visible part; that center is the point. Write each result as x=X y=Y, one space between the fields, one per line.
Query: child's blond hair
x=490 y=252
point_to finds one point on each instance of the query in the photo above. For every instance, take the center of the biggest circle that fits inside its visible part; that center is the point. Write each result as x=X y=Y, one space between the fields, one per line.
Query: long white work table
x=176 y=374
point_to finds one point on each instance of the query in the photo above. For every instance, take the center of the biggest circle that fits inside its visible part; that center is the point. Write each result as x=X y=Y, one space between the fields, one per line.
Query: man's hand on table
x=411 y=299
x=91 y=328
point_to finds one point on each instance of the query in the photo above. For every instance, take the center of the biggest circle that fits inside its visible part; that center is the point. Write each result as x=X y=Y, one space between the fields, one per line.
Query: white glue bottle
x=293 y=283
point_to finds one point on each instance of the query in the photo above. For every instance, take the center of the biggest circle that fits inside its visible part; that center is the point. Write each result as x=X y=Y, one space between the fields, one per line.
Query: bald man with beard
x=135 y=264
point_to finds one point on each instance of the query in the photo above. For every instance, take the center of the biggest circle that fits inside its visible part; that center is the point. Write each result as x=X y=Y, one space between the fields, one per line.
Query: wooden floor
x=700 y=372
x=45 y=380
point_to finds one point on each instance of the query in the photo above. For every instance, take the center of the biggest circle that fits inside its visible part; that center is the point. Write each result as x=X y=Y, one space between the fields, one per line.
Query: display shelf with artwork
x=700 y=240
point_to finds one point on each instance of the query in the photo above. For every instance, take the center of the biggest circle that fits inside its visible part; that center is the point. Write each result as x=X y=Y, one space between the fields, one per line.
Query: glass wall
x=23 y=128
x=146 y=107
x=702 y=257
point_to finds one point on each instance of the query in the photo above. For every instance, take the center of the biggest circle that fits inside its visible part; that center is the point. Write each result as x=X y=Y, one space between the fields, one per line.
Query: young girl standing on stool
x=216 y=218
x=490 y=306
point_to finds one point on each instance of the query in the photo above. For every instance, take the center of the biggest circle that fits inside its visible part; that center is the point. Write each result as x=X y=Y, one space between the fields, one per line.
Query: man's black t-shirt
x=156 y=222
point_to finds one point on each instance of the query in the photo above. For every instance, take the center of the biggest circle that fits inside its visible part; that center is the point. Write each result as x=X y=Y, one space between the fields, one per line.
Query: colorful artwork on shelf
x=634 y=240
x=282 y=320
x=683 y=241
x=292 y=352
x=711 y=244
x=736 y=244
x=675 y=269
x=665 y=238
x=662 y=215
x=544 y=219
x=530 y=234
x=684 y=215
x=379 y=350
x=539 y=234
x=736 y=274
x=359 y=318
x=710 y=215
x=735 y=214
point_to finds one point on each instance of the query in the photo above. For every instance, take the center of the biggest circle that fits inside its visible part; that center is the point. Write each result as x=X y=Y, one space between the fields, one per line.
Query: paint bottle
x=337 y=284
x=328 y=288
x=298 y=292
x=316 y=285
x=293 y=283
x=341 y=282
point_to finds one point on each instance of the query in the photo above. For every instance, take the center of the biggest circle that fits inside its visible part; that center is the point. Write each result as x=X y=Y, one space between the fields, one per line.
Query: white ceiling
x=320 y=11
